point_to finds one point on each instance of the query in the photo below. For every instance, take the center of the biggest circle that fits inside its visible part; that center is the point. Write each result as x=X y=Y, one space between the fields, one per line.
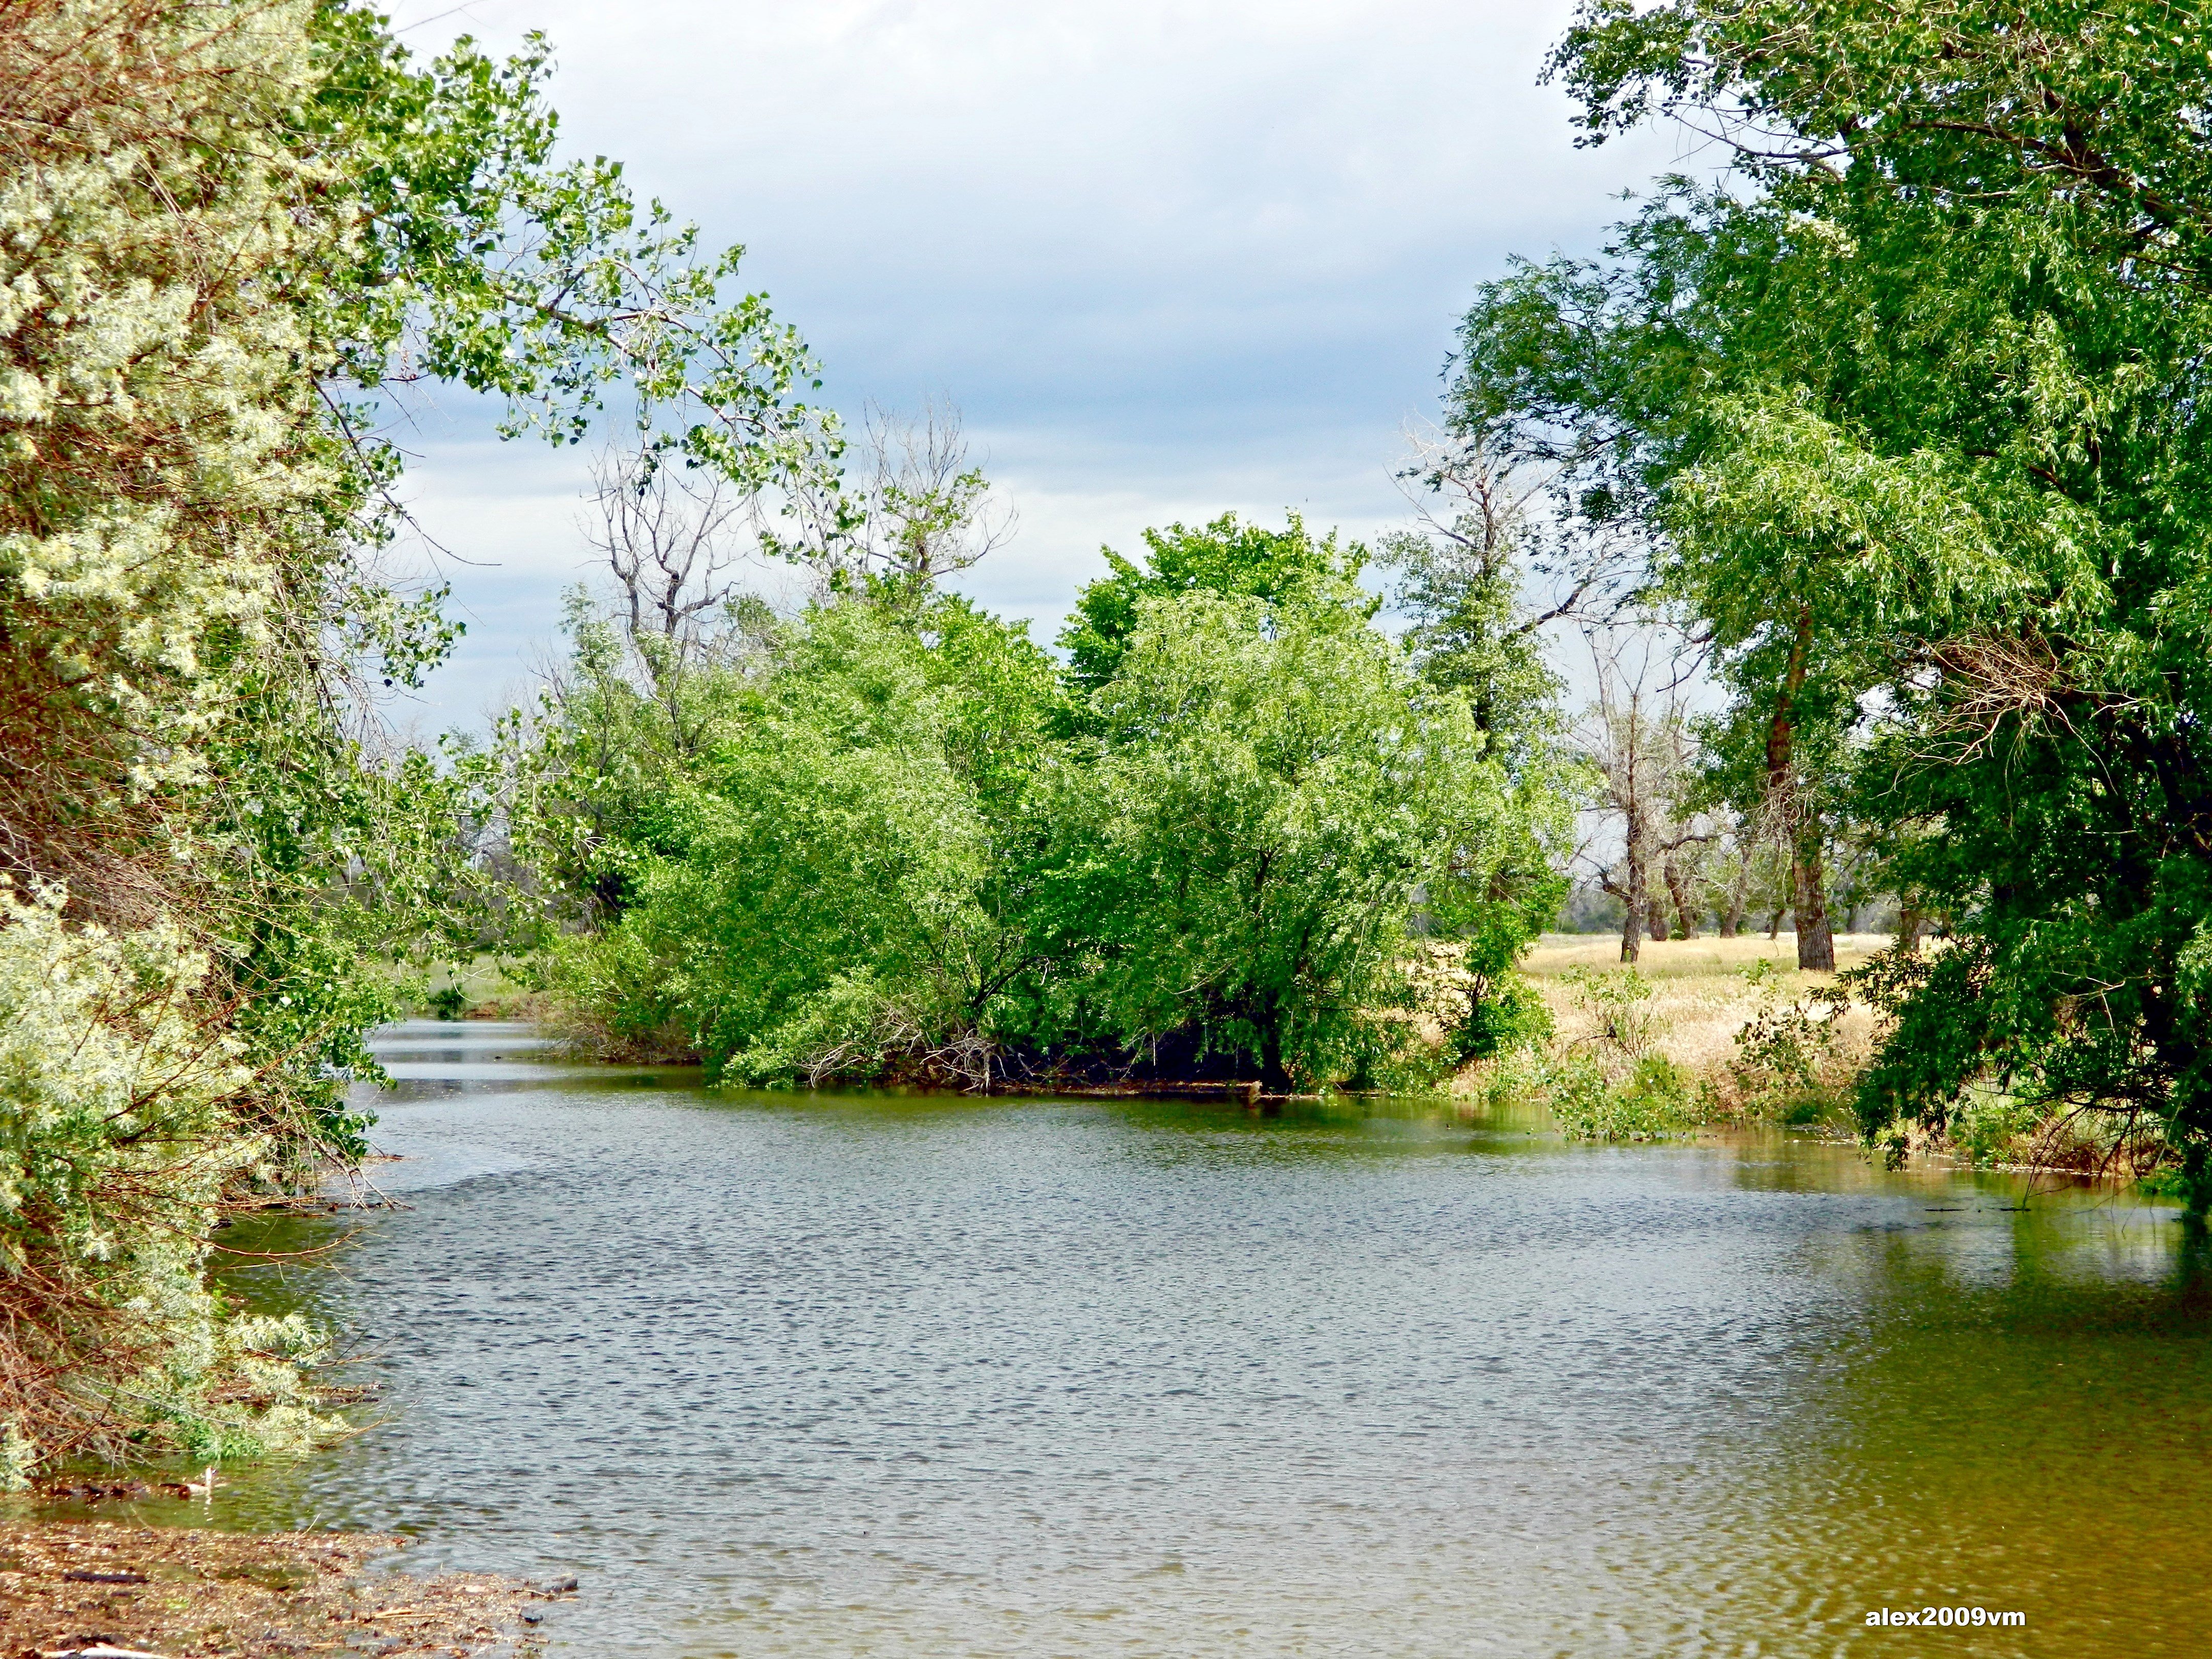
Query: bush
x=120 y=1133
x=1787 y=1068
x=1658 y=1100
x=1988 y=1126
x=1504 y=1015
x=1609 y=1085
x=1240 y=857
x=1613 y=1002
x=451 y=1003
x=900 y=851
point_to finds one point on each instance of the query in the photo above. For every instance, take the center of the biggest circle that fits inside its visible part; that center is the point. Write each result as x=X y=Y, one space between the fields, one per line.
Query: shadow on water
x=817 y=1375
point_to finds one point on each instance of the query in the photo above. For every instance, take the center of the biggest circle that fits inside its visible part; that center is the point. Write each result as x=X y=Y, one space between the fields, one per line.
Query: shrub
x=1658 y=1100
x=1613 y=1002
x=1989 y=1126
x=1271 y=806
x=1787 y=1067
x=1504 y=1015
x=1610 y=1085
x=119 y=1137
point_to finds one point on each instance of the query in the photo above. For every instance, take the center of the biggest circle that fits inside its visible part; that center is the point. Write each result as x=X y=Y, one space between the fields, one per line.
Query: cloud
x=1167 y=259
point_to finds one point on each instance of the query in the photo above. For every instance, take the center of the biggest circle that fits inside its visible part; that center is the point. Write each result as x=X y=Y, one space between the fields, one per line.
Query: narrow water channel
x=833 y=1376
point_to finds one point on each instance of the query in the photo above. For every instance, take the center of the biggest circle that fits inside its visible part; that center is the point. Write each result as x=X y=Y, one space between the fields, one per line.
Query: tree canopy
x=1910 y=418
x=1220 y=859
x=1226 y=556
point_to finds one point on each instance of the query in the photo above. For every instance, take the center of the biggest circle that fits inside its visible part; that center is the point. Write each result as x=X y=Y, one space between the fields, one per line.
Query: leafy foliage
x=1469 y=629
x=845 y=801
x=1612 y=999
x=229 y=233
x=1656 y=1101
x=1239 y=855
x=119 y=1135
x=474 y=258
x=1227 y=557
x=1504 y=1014
x=1915 y=427
x=1225 y=858
x=1788 y=1067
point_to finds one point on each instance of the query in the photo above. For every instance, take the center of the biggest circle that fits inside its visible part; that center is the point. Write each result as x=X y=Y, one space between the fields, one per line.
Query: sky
x=1168 y=260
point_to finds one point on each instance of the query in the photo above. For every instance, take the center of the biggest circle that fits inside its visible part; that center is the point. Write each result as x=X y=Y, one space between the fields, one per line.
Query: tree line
x=888 y=837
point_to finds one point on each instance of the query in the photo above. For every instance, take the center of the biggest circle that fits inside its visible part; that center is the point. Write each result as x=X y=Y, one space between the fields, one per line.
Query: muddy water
x=838 y=1375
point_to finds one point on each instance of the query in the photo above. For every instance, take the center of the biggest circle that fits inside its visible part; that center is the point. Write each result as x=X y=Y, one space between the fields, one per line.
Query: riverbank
x=87 y=1587
x=1702 y=990
x=1738 y=1028
x=1702 y=1032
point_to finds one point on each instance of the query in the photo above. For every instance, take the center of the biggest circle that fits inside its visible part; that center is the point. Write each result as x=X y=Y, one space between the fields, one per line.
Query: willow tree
x=1226 y=556
x=1924 y=390
x=1269 y=813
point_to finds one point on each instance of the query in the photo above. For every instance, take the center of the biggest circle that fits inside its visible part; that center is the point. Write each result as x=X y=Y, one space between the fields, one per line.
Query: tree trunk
x=1739 y=895
x=1274 y=1076
x=1658 y=912
x=1911 y=925
x=1782 y=797
x=1816 y=939
x=1678 y=889
x=1638 y=896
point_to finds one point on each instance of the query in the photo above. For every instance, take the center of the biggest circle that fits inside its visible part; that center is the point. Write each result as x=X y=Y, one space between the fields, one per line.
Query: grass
x=1625 y=1067
x=1702 y=957
x=1701 y=995
x=486 y=992
x=1704 y=992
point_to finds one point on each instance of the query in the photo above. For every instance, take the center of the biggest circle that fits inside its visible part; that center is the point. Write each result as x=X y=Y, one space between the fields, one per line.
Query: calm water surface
x=832 y=1376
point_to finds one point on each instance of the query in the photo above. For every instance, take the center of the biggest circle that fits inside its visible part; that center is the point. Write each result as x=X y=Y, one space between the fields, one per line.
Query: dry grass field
x=1704 y=990
x=1704 y=957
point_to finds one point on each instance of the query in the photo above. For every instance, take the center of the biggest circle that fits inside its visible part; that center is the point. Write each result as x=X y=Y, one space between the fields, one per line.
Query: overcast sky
x=1167 y=259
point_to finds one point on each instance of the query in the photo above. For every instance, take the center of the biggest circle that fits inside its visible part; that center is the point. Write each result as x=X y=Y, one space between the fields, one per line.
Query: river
x=847 y=1375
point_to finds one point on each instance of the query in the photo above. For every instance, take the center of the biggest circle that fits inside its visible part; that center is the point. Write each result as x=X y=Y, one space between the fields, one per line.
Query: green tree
x=1243 y=857
x=853 y=805
x=1238 y=856
x=233 y=231
x=1226 y=556
x=1927 y=398
x=175 y=575
x=1482 y=576
x=1660 y=381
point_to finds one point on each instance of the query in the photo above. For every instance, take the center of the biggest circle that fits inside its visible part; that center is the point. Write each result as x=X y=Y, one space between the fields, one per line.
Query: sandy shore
x=95 y=1588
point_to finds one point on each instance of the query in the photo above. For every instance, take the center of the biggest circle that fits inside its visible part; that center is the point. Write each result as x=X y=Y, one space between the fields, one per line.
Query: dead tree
x=672 y=538
x=915 y=507
x=1639 y=745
